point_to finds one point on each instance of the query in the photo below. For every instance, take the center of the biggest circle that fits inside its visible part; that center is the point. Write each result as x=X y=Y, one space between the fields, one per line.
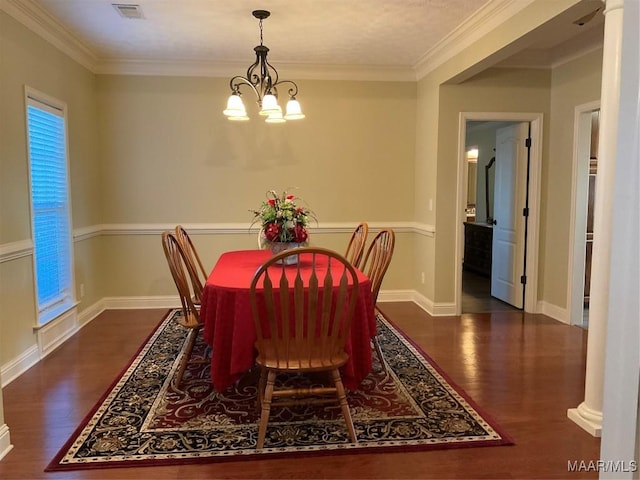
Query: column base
x=588 y=419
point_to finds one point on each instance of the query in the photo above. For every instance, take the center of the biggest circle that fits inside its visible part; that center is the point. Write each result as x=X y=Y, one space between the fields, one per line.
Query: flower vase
x=277 y=247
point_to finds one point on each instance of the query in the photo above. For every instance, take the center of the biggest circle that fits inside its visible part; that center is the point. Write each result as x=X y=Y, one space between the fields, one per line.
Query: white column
x=620 y=442
x=588 y=414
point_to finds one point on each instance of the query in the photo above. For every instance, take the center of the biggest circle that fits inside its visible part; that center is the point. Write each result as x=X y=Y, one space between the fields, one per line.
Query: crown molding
x=588 y=46
x=39 y=21
x=212 y=68
x=488 y=18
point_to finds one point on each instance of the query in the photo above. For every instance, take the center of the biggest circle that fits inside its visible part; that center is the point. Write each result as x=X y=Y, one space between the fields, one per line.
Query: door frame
x=535 y=171
x=578 y=218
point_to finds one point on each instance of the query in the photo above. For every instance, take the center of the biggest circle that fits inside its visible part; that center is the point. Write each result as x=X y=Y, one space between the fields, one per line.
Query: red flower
x=272 y=202
x=272 y=232
x=290 y=197
x=299 y=234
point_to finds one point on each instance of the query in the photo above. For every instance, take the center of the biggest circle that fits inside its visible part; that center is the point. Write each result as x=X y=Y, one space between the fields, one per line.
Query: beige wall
x=555 y=93
x=168 y=156
x=436 y=116
x=149 y=151
x=28 y=60
x=572 y=84
x=495 y=90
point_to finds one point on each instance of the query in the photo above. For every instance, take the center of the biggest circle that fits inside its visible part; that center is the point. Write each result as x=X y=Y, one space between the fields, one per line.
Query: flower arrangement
x=281 y=219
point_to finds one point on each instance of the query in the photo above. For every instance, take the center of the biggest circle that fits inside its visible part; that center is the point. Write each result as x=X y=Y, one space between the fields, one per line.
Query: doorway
x=475 y=216
x=585 y=157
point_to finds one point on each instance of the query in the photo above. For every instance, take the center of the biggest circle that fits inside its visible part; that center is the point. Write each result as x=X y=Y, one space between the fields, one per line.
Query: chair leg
x=342 y=398
x=186 y=356
x=378 y=349
x=262 y=383
x=266 y=409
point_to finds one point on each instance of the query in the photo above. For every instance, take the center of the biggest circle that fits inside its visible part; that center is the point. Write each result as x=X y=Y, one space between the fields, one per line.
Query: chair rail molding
x=85 y=233
x=14 y=250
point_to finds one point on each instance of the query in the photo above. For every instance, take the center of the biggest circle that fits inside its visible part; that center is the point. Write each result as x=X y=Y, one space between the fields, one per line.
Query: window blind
x=50 y=205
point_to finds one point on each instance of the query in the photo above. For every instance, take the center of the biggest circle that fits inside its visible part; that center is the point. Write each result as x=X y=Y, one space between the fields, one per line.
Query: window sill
x=55 y=313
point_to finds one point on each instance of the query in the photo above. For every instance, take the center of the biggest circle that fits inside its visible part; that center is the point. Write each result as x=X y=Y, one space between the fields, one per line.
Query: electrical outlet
x=422 y=277
x=81 y=290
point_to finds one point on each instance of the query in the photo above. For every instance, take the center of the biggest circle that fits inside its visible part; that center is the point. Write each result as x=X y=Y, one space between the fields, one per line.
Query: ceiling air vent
x=128 y=10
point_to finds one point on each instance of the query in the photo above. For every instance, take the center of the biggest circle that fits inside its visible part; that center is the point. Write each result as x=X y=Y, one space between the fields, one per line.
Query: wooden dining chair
x=301 y=327
x=375 y=265
x=355 y=249
x=190 y=319
x=194 y=265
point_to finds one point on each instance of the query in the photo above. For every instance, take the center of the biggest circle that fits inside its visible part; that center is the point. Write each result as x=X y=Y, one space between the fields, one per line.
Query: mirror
x=472 y=183
x=489 y=178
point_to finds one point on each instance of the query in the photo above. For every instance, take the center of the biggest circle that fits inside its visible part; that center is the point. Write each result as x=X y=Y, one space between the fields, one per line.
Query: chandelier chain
x=260 y=31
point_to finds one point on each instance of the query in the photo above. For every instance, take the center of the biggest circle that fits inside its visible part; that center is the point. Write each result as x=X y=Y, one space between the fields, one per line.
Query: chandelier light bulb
x=269 y=104
x=239 y=118
x=235 y=107
x=275 y=117
x=294 y=111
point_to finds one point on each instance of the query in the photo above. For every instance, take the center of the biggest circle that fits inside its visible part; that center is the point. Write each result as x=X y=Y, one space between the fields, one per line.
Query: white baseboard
x=444 y=310
x=557 y=313
x=395 y=296
x=121 y=303
x=5 y=441
x=16 y=367
x=433 y=309
x=423 y=302
x=91 y=312
x=52 y=336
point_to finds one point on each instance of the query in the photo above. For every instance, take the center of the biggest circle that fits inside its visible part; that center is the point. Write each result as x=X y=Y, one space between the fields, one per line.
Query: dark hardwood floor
x=523 y=370
x=476 y=295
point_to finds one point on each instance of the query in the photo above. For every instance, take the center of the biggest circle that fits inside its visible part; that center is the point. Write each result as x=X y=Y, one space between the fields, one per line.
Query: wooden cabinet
x=478 y=240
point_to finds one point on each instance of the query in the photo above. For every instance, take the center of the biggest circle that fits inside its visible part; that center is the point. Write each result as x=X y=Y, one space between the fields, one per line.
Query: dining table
x=229 y=326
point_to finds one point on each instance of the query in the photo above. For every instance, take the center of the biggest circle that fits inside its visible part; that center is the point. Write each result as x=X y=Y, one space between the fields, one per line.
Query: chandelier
x=263 y=79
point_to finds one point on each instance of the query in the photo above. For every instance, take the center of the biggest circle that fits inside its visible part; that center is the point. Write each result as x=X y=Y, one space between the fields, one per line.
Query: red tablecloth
x=229 y=327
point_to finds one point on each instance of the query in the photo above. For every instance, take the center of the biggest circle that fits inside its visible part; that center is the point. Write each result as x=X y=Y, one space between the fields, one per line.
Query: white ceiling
x=320 y=34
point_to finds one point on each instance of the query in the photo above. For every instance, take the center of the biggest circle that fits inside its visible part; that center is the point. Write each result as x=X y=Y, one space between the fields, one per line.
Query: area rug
x=142 y=421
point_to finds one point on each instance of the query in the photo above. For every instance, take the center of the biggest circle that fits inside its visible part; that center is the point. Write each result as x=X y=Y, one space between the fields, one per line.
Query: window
x=46 y=126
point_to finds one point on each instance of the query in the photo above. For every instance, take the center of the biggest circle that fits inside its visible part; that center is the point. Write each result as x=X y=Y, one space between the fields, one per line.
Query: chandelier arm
x=293 y=91
x=239 y=80
x=262 y=83
x=251 y=76
x=274 y=76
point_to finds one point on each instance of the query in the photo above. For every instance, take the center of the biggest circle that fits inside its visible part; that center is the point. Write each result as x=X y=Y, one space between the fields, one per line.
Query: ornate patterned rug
x=141 y=420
